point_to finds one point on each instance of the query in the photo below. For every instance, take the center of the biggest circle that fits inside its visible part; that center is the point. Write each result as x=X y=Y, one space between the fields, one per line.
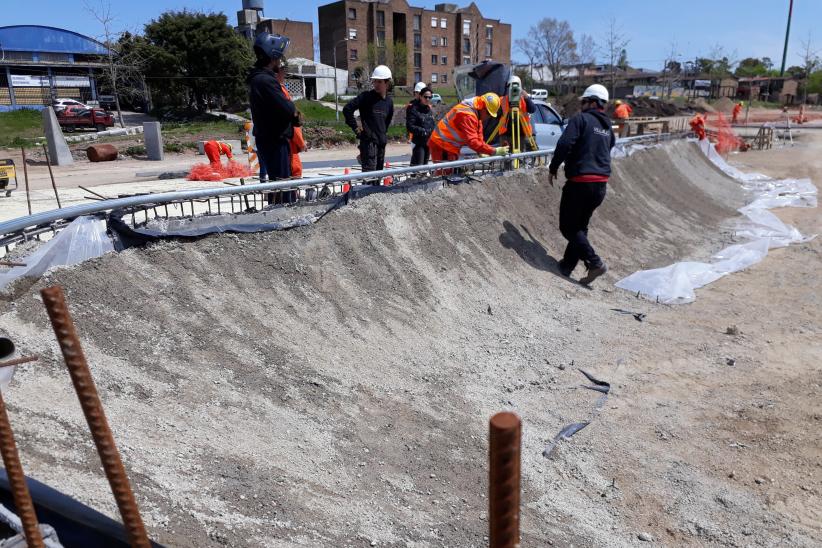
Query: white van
x=539 y=94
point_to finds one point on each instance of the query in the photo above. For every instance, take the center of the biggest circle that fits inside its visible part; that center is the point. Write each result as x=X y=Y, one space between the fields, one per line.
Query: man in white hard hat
x=585 y=147
x=376 y=111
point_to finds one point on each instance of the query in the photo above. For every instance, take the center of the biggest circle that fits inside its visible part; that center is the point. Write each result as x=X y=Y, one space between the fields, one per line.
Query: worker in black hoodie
x=585 y=147
x=420 y=123
x=273 y=114
x=376 y=111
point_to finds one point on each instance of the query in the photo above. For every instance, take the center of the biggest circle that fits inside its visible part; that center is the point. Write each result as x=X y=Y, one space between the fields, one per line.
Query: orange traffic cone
x=347 y=171
x=388 y=180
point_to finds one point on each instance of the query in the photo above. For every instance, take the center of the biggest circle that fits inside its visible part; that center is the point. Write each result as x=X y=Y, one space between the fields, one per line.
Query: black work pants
x=420 y=155
x=275 y=158
x=579 y=200
x=372 y=157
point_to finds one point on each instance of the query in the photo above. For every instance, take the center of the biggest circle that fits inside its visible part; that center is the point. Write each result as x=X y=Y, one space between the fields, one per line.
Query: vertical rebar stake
x=66 y=333
x=17 y=480
x=503 y=480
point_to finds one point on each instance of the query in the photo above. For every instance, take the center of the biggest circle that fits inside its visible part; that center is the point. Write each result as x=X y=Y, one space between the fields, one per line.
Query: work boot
x=594 y=273
x=564 y=269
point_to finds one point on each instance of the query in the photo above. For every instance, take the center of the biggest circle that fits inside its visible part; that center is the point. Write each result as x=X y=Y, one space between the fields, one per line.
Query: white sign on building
x=28 y=81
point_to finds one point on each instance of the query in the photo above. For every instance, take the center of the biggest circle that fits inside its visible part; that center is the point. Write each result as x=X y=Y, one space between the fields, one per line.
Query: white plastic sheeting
x=84 y=238
x=676 y=284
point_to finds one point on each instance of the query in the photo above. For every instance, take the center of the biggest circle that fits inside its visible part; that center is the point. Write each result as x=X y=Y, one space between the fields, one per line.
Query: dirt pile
x=330 y=385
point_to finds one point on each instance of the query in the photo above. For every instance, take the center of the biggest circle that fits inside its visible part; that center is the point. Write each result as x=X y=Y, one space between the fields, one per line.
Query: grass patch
x=221 y=129
x=135 y=150
x=315 y=112
x=20 y=128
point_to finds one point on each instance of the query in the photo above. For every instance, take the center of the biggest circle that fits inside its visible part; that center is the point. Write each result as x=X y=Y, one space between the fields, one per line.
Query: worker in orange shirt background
x=214 y=149
x=735 y=114
x=462 y=126
x=698 y=126
x=622 y=112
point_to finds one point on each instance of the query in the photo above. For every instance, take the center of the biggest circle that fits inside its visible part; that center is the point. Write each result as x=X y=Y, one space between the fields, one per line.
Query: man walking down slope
x=585 y=147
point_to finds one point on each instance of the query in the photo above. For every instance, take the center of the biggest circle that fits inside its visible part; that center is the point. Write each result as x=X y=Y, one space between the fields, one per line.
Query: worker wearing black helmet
x=274 y=115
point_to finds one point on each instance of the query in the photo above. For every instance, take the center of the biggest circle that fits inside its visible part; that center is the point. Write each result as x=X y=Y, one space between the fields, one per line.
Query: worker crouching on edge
x=462 y=126
x=376 y=111
x=214 y=149
x=585 y=147
x=274 y=115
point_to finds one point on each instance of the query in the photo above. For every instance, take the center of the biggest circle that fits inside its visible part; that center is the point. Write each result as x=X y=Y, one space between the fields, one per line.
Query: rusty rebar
x=51 y=174
x=11 y=263
x=17 y=480
x=26 y=176
x=504 y=480
x=19 y=361
x=64 y=329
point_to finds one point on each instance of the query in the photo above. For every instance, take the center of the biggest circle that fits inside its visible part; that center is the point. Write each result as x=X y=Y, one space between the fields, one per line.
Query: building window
x=418 y=60
x=417 y=77
x=443 y=60
x=434 y=59
x=417 y=41
x=352 y=34
x=443 y=23
x=417 y=22
x=466 y=45
x=466 y=27
x=433 y=22
x=354 y=55
x=433 y=78
x=444 y=79
x=380 y=38
x=489 y=32
x=466 y=60
x=352 y=13
x=434 y=41
x=380 y=18
x=443 y=41
x=488 y=48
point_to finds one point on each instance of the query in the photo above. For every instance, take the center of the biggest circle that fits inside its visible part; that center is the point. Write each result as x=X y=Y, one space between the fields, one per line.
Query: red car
x=73 y=117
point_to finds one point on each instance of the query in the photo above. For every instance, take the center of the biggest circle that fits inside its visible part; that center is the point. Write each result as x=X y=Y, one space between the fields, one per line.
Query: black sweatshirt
x=272 y=112
x=585 y=145
x=420 y=123
x=376 y=113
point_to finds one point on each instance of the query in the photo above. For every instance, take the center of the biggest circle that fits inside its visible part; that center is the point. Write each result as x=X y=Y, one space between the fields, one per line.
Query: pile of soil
x=331 y=384
x=724 y=104
x=400 y=111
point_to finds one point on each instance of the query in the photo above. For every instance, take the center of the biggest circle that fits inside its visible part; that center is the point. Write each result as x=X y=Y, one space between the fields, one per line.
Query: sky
x=743 y=28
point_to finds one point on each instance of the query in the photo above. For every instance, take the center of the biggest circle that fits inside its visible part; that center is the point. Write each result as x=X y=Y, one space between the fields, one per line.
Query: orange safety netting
x=208 y=172
x=727 y=140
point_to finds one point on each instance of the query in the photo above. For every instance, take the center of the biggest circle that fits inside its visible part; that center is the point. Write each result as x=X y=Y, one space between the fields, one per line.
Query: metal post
x=51 y=174
x=504 y=480
x=787 y=35
x=69 y=342
x=11 y=88
x=17 y=480
x=26 y=175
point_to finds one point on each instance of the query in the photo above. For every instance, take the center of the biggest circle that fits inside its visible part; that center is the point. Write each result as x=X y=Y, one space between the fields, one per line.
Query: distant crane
x=787 y=35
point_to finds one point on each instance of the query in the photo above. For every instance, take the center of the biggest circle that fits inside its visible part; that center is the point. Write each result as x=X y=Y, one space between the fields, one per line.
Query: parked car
x=548 y=125
x=61 y=104
x=73 y=117
x=539 y=94
x=436 y=99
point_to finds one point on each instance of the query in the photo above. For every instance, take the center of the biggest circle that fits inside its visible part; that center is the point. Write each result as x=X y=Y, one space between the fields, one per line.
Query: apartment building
x=436 y=40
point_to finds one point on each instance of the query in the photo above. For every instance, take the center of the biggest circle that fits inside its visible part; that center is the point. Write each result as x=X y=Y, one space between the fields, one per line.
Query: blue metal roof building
x=39 y=64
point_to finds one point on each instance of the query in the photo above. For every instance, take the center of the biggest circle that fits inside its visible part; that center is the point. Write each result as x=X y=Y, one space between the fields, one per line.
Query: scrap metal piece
x=64 y=329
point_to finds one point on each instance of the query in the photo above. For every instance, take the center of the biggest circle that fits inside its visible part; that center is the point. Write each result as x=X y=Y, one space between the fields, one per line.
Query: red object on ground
x=207 y=172
x=727 y=140
x=101 y=153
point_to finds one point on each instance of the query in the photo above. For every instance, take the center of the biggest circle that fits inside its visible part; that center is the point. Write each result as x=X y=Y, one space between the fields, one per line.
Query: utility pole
x=787 y=35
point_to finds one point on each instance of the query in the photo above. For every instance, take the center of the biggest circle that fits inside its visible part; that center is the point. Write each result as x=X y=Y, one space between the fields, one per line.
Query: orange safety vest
x=523 y=114
x=623 y=111
x=450 y=136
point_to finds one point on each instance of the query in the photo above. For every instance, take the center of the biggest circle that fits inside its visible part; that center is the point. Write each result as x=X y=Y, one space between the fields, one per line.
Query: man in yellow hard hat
x=462 y=126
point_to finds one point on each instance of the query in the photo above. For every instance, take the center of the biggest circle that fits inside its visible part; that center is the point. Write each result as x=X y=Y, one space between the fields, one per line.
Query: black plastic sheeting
x=77 y=525
x=279 y=217
x=569 y=430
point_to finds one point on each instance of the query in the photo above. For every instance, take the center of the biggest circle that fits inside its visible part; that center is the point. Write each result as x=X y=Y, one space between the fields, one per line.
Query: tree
x=586 y=50
x=623 y=60
x=399 y=62
x=614 y=41
x=197 y=58
x=555 y=42
x=671 y=69
x=810 y=62
x=531 y=52
x=102 y=13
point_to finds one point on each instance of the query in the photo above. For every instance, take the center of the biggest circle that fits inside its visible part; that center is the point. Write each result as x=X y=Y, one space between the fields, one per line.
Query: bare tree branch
x=810 y=62
x=613 y=42
x=555 y=42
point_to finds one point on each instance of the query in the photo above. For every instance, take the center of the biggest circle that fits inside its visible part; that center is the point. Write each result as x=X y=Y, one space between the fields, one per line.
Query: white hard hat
x=419 y=87
x=514 y=79
x=597 y=91
x=381 y=73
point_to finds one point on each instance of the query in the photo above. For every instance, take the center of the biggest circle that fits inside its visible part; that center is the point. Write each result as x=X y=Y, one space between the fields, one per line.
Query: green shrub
x=135 y=150
x=173 y=147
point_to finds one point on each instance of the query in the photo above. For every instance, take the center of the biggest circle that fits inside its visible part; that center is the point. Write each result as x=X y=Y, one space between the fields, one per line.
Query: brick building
x=300 y=33
x=436 y=40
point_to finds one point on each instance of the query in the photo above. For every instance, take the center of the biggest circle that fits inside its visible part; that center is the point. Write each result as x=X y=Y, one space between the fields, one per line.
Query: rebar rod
x=504 y=480
x=55 y=302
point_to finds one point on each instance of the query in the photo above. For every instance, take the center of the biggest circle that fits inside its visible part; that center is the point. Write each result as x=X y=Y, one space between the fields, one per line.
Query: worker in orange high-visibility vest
x=698 y=126
x=622 y=112
x=214 y=149
x=735 y=114
x=462 y=126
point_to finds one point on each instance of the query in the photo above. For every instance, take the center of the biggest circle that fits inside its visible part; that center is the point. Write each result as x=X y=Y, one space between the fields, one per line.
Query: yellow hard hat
x=492 y=103
x=618 y=102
